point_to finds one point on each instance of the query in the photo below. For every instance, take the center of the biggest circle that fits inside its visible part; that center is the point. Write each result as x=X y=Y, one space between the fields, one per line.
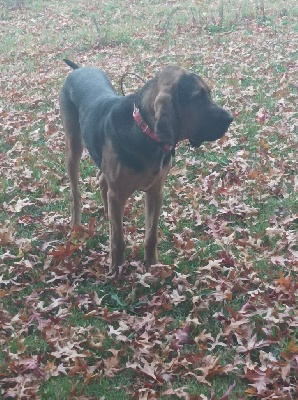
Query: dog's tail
x=71 y=64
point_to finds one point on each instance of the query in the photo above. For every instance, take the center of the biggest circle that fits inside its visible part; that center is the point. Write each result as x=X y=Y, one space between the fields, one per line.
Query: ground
x=218 y=318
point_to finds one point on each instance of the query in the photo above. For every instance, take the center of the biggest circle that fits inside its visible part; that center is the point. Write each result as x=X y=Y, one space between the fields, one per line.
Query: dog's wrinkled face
x=201 y=119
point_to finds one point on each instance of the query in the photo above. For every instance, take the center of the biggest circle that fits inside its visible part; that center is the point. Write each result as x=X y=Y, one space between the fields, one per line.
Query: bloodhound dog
x=132 y=139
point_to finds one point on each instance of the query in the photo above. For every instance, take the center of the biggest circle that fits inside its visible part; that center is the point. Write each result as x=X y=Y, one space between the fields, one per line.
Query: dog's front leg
x=103 y=191
x=153 y=199
x=117 y=244
x=153 y=203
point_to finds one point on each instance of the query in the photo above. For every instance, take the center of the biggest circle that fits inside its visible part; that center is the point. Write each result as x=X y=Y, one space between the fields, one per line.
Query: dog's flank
x=174 y=105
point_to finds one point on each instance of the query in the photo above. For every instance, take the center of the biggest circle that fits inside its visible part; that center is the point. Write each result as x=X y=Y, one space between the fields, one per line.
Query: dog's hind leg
x=74 y=150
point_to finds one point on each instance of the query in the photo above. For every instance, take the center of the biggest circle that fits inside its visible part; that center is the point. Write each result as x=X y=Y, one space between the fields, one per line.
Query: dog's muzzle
x=214 y=130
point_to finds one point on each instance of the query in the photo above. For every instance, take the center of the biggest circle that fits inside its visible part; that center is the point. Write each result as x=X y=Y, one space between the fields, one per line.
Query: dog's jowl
x=132 y=138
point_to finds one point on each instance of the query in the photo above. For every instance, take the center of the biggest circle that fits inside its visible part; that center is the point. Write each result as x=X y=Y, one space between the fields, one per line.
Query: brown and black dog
x=132 y=138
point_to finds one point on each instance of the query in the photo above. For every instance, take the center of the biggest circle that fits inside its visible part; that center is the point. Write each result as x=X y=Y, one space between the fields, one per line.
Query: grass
x=233 y=199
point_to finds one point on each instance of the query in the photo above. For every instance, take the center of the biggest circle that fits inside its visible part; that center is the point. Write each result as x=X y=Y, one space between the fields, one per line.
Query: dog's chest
x=126 y=179
x=146 y=180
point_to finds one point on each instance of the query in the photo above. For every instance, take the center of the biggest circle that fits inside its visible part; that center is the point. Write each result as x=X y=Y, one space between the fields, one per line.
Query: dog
x=132 y=140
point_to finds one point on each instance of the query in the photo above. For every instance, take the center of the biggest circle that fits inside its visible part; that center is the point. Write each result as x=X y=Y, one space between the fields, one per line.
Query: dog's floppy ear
x=188 y=88
x=166 y=120
x=176 y=89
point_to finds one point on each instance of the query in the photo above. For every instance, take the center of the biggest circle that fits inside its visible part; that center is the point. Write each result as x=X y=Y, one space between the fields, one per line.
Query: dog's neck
x=146 y=129
x=145 y=100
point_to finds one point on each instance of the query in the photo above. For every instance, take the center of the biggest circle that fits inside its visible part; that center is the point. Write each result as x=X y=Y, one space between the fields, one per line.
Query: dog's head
x=183 y=109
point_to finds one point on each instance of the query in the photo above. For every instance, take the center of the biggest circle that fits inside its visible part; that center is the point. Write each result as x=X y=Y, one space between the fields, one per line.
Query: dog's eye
x=200 y=95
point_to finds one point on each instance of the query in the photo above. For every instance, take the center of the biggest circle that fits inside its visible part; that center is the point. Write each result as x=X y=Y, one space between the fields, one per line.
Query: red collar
x=145 y=128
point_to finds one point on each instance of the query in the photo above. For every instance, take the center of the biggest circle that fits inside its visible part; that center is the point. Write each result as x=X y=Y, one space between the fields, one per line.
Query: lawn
x=218 y=318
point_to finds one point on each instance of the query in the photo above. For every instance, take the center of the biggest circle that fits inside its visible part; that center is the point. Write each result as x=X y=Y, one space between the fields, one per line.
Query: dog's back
x=86 y=94
x=87 y=85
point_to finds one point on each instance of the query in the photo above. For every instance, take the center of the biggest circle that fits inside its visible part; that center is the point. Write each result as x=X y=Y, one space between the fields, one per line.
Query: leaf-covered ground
x=218 y=319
